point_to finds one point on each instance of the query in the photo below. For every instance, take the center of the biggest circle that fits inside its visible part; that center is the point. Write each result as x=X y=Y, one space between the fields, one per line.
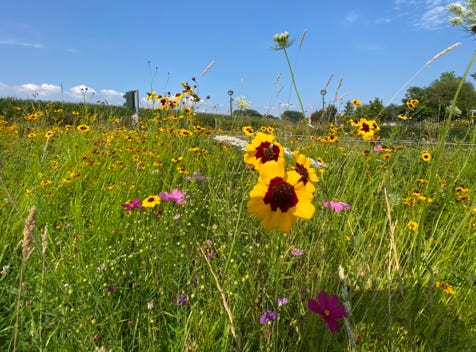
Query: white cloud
x=40 y=90
x=82 y=91
x=424 y=14
x=46 y=91
x=351 y=17
x=433 y=18
x=25 y=44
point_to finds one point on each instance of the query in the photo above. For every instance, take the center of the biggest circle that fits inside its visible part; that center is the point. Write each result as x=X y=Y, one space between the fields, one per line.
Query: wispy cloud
x=424 y=14
x=351 y=17
x=25 y=44
x=383 y=20
x=433 y=18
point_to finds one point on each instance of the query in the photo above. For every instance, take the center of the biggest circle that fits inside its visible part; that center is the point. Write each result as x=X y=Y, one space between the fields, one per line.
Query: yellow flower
x=151 y=201
x=403 y=117
x=151 y=95
x=49 y=134
x=412 y=225
x=248 y=130
x=177 y=159
x=425 y=156
x=367 y=129
x=279 y=198
x=83 y=128
x=356 y=102
x=303 y=168
x=446 y=288
x=185 y=133
x=262 y=149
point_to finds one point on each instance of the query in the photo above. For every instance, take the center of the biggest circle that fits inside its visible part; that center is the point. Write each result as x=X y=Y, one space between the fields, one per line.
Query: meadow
x=160 y=237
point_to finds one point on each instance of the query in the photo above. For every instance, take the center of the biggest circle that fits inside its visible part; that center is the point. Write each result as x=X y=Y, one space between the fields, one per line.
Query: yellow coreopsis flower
x=367 y=129
x=83 y=128
x=412 y=225
x=279 y=197
x=303 y=168
x=262 y=149
x=151 y=201
x=248 y=130
x=425 y=156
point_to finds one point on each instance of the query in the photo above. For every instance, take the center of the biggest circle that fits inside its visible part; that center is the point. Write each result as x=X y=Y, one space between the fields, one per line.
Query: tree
x=440 y=94
x=328 y=115
x=246 y=112
x=291 y=115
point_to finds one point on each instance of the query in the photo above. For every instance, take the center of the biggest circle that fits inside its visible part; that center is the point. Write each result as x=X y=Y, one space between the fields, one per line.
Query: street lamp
x=230 y=93
x=323 y=93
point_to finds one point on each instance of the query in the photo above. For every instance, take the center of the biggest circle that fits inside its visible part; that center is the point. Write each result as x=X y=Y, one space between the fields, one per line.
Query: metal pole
x=230 y=93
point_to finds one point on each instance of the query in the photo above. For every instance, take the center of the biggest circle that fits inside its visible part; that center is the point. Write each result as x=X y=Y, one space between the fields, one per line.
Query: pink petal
x=338 y=312
x=314 y=307
x=332 y=324
x=323 y=299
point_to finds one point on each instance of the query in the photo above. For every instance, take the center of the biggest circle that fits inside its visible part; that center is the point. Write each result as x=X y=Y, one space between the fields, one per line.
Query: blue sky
x=51 y=49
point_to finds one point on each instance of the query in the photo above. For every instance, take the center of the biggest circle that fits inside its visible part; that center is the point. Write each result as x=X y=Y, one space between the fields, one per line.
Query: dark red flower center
x=280 y=195
x=267 y=151
x=303 y=171
x=365 y=127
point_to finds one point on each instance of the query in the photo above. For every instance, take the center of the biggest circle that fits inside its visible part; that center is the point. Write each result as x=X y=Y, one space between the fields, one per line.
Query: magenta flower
x=328 y=308
x=176 y=196
x=378 y=148
x=136 y=203
x=336 y=205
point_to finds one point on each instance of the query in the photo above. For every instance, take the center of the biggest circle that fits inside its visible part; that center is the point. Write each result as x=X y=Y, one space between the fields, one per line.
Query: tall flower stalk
x=282 y=42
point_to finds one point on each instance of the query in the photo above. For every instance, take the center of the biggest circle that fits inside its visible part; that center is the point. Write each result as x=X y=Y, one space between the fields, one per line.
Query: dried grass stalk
x=28 y=240
x=441 y=53
x=208 y=68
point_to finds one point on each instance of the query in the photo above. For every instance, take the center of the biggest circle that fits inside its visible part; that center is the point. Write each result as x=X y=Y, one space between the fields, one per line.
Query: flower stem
x=294 y=83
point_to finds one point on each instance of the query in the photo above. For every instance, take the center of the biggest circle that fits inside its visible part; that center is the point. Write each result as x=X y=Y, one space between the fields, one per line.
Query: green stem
x=294 y=83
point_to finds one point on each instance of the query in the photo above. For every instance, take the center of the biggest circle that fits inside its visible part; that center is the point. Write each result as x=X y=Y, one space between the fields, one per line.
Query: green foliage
x=291 y=115
x=439 y=94
x=246 y=112
x=328 y=115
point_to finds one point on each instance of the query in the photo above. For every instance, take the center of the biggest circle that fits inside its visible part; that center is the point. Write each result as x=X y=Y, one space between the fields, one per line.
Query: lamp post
x=230 y=93
x=323 y=93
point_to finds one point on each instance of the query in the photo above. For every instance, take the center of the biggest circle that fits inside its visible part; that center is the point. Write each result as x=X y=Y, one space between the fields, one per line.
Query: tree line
x=433 y=104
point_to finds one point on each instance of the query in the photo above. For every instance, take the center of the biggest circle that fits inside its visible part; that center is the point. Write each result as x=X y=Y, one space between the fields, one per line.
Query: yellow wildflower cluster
x=462 y=193
x=366 y=129
x=446 y=288
x=411 y=105
x=170 y=102
x=416 y=197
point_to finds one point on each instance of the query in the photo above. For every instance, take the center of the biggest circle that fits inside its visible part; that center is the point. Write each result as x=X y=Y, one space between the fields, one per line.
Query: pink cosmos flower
x=296 y=252
x=136 y=203
x=176 y=196
x=336 y=205
x=328 y=308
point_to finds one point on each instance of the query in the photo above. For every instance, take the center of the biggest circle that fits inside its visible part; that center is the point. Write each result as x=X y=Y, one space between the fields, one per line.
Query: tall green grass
x=111 y=279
